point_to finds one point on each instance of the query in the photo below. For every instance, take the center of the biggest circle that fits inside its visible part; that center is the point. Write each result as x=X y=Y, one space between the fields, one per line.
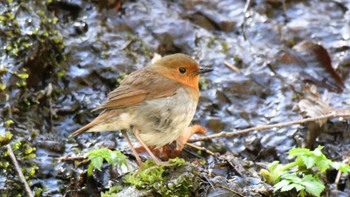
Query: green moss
x=38 y=192
x=148 y=174
x=211 y=42
x=161 y=180
x=112 y=191
x=6 y=138
x=8 y=123
x=203 y=83
x=24 y=153
x=61 y=73
x=225 y=47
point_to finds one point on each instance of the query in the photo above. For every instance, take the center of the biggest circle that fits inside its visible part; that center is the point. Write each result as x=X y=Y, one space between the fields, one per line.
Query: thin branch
x=19 y=170
x=232 y=67
x=337 y=179
x=224 y=134
x=72 y=158
x=231 y=190
x=245 y=15
x=201 y=149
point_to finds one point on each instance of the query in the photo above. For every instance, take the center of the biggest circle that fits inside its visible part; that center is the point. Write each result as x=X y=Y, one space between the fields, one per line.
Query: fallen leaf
x=309 y=62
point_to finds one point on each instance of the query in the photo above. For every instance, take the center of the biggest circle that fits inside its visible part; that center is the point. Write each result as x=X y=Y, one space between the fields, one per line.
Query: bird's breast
x=162 y=121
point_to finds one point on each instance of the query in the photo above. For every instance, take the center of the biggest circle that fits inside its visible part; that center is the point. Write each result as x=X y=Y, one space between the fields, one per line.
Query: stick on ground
x=266 y=127
x=19 y=170
x=200 y=148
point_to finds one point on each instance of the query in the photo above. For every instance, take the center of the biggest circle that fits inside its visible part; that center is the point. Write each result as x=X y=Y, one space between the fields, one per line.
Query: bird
x=155 y=103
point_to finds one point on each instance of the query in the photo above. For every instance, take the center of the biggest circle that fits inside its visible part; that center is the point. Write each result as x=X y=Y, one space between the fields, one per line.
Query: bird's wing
x=139 y=86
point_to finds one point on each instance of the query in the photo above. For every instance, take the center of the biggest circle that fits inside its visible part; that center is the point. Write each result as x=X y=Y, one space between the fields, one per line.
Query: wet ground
x=61 y=58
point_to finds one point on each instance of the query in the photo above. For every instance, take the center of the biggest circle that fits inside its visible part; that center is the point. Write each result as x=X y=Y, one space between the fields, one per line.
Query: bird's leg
x=138 y=159
x=137 y=135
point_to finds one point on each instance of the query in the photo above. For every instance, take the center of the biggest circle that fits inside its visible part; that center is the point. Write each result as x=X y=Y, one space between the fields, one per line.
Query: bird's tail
x=102 y=117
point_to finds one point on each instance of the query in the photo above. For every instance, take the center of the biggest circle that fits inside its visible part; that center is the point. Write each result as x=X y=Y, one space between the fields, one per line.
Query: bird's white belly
x=162 y=121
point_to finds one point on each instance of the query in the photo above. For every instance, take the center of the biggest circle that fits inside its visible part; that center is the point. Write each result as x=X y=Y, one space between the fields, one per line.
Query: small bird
x=155 y=103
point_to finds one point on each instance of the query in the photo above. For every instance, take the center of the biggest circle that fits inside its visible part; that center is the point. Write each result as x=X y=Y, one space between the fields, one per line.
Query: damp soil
x=59 y=60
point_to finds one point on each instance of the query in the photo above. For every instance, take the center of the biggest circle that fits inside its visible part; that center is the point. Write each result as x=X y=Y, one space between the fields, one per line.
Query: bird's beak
x=203 y=70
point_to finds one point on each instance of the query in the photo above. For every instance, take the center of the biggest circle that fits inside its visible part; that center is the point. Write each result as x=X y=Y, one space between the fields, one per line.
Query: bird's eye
x=182 y=70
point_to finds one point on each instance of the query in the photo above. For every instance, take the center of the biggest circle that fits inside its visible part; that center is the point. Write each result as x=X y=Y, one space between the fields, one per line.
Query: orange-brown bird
x=156 y=103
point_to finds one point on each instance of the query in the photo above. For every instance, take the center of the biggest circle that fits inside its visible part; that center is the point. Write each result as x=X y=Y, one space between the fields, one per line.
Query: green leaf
x=280 y=185
x=97 y=162
x=97 y=157
x=90 y=168
x=23 y=75
x=323 y=164
x=298 y=152
x=177 y=161
x=308 y=161
x=313 y=185
x=291 y=186
x=345 y=168
x=311 y=158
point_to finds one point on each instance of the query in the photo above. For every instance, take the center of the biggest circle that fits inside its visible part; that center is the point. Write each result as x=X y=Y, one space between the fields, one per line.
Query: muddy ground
x=59 y=59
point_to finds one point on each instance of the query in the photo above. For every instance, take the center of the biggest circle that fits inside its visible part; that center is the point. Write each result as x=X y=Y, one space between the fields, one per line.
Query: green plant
x=112 y=192
x=302 y=173
x=97 y=157
x=164 y=180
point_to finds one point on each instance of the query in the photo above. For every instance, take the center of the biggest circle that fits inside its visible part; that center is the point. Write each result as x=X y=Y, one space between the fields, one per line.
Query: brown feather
x=138 y=87
x=96 y=121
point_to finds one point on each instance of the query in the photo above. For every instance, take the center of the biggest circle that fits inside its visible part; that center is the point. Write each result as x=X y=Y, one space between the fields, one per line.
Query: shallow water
x=103 y=44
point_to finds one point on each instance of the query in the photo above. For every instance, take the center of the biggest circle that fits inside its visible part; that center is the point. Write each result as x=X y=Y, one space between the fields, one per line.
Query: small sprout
x=112 y=191
x=45 y=34
x=16 y=145
x=40 y=12
x=29 y=150
x=10 y=16
x=38 y=192
x=15 y=51
x=177 y=161
x=15 y=22
x=292 y=176
x=32 y=171
x=2 y=18
x=148 y=174
x=225 y=47
x=26 y=45
x=97 y=157
x=27 y=102
x=23 y=75
x=2 y=87
x=6 y=164
x=6 y=139
x=21 y=84
x=61 y=73
x=54 y=21
x=8 y=123
x=8 y=48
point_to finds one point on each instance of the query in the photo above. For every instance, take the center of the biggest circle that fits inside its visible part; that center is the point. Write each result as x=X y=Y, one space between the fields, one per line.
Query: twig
x=19 y=170
x=266 y=127
x=337 y=179
x=232 y=67
x=231 y=190
x=72 y=158
x=201 y=149
x=245 y=13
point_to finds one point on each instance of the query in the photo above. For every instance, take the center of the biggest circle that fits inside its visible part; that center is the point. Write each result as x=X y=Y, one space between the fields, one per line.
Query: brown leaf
x=311 y=106
x=309 y=62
